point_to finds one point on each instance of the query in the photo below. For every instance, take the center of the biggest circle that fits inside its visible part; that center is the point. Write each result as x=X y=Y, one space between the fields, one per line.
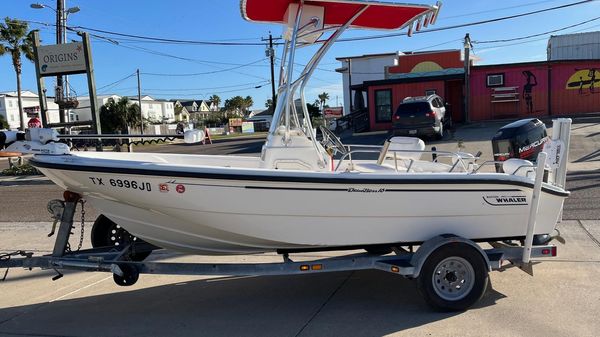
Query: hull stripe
x=286 y=178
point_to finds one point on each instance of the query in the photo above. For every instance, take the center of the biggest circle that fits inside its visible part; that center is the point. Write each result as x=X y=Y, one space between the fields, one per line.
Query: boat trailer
x=451 y=271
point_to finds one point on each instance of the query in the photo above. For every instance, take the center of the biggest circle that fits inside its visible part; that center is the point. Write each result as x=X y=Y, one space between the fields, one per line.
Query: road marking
x=588 y=233
x=78 y=290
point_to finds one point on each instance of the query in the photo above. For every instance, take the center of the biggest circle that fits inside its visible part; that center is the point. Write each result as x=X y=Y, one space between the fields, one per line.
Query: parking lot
x=562 y=299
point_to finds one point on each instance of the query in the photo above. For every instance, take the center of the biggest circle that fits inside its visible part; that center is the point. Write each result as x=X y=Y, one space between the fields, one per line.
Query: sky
x=187 y=71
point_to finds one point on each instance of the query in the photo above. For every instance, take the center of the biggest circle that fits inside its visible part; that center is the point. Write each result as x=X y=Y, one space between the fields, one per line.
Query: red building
x=520 y=90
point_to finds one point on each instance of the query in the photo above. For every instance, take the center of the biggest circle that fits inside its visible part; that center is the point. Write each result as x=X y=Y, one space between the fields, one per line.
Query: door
x=454 y=99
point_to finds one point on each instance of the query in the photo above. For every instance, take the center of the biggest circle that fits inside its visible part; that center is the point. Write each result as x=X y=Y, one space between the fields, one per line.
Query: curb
x=13 y=179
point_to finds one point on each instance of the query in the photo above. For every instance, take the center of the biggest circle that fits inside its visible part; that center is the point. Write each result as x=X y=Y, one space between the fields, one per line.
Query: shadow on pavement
x=364 y=303
x=593 y=156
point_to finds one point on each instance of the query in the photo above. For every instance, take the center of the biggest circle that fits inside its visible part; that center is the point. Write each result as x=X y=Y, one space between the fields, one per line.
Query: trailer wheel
x=130 y=275
x=107 y=233
x=453 y=278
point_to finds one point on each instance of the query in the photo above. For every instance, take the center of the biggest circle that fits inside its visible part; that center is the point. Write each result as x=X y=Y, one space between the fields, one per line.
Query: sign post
x=40 y=80
x=92 y=84
x=66 y=59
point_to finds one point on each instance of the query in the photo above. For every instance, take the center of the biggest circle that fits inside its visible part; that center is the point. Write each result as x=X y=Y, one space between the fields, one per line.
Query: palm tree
x=248 y=102
x=215 y=99
x=15 y=40
x=116 y=116
x=323 y=97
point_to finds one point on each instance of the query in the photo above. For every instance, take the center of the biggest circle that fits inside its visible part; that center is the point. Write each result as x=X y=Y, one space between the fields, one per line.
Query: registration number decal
x=123 y=183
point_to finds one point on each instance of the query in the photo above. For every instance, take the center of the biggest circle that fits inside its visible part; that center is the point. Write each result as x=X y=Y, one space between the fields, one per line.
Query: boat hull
x=247 y=212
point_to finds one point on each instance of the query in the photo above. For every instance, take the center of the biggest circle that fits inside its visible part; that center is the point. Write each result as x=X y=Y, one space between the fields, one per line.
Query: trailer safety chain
x=6 y=257
x=82 y=231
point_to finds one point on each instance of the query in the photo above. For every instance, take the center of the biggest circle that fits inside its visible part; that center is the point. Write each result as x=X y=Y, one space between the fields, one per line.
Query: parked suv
x=421 y=116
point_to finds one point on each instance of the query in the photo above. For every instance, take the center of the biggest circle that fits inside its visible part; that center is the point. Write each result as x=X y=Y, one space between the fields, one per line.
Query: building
x=9 y=108
x=83 y=112
x=579 y=46
x=210 y=105
x=183 y=115
x=155 y=110
x=519 y=90
x=357 y=69
x=197 y=109
x=415 y=74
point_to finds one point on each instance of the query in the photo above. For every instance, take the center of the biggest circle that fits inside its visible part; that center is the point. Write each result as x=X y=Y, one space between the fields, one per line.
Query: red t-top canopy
x=379 y=15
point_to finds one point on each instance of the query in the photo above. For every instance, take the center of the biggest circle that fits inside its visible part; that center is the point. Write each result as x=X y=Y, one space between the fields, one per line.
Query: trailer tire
x=453 y=277
x=107 y=233
x=130 y=275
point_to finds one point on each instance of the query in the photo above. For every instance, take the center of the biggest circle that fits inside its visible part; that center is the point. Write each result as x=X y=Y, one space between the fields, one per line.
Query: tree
x=117 y=116
x=248 y=102
x=3 y=123
x=239 y=104
x=316 y=117
x=15 y=40
x=215 y=99
x=269 y=105
x=178 y=110
x=323 y=97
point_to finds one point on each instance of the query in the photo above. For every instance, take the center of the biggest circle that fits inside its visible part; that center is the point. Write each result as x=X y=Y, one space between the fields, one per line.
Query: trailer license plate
x=412 y=132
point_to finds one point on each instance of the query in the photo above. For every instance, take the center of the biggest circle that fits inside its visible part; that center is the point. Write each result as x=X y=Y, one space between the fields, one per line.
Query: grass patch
x=22 y=170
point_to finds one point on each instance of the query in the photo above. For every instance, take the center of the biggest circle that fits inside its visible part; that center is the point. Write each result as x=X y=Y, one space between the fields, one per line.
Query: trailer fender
x=429 y=246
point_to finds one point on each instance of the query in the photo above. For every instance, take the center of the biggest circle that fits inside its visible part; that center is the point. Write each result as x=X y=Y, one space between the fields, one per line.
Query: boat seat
x=377 y=168
x=401 y=147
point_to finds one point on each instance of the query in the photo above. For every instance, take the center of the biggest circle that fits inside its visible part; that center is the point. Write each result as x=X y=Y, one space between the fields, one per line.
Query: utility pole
x=270 y=52
x=467 y=95
x=60 y=10
x=140 y=102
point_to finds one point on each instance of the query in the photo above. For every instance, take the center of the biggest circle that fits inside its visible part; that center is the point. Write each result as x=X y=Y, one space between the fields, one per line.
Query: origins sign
x=61 y=59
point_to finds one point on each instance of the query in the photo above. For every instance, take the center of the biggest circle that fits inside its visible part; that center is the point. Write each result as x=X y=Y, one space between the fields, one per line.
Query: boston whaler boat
x=296 y=196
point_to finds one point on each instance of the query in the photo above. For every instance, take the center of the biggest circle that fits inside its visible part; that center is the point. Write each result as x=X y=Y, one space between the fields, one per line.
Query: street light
x=61 y=37
x=68 y=11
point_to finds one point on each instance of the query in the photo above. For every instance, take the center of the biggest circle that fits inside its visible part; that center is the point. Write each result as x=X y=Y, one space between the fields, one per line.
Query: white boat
x=295 y=196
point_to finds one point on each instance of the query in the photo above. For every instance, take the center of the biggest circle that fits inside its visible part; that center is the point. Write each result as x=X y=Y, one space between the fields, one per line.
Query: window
x=12 y=117
x=10 y=104
x=495 y=80
x=438 y=103
x=383 y=105
x=430 y=92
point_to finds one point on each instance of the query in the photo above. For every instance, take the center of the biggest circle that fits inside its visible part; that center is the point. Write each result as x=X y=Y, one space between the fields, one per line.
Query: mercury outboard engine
x=522 y=139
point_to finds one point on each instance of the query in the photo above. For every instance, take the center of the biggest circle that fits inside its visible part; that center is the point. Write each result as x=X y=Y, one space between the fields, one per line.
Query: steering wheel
x=331 y=141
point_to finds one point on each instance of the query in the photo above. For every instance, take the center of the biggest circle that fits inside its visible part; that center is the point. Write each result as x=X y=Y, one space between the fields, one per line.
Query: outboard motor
x=522 y=139
x=33 y=141
x=8 y=137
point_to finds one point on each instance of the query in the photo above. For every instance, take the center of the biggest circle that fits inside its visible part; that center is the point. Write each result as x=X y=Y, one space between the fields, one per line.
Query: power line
x=530 y=41
x=372 y=37
x=111 y=84
x=208 y=72
x=115 y=82
x=159 y=93
x=202 y=62
x=536 y=35
x=213 y=88
x=476 y=23
x=153 y=38
x=497 y=9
